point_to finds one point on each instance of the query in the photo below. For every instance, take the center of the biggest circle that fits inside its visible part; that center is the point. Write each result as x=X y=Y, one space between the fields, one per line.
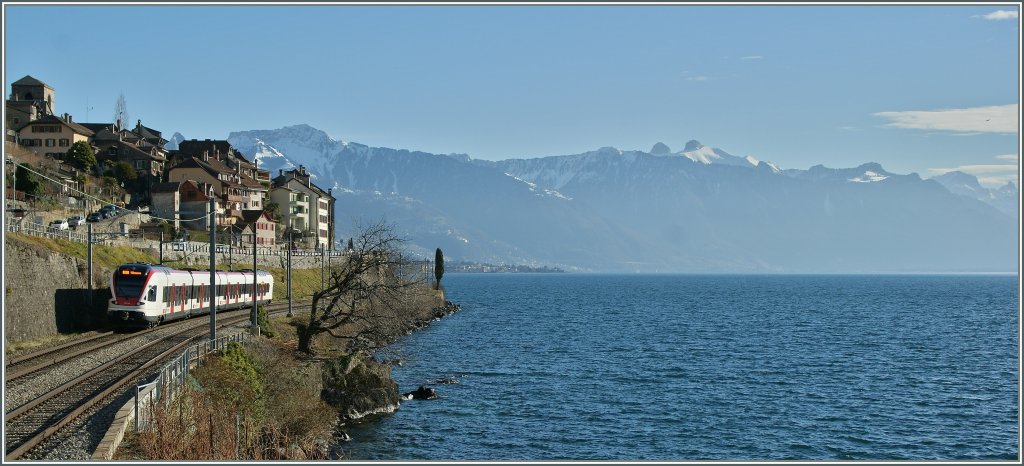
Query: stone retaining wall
x=45 y=292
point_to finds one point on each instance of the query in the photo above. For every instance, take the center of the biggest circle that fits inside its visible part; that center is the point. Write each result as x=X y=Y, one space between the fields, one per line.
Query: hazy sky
x=916 y=88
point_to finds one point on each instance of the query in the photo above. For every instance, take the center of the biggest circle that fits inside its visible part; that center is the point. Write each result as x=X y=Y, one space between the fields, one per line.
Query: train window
x=152 y=294
x=166 y=297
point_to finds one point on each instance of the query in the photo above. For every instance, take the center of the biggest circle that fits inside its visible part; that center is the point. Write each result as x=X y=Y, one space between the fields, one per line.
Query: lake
x=710 y=367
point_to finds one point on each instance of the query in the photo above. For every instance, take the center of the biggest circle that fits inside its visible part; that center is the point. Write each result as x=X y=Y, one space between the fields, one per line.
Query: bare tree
x=121 y=112
x=363 y=294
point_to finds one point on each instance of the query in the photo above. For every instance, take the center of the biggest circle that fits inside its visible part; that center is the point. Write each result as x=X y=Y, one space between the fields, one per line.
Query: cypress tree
x=438 y=268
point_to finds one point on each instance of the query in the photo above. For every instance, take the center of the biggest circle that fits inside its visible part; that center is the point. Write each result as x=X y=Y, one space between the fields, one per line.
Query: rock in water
x=358 y=386
x=422 y=393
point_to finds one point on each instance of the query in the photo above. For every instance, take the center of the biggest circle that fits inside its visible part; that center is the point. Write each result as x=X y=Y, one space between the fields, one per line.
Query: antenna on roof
x=87 y=108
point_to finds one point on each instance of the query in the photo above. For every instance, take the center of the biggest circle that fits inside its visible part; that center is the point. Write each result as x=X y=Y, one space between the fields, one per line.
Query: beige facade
x=295 y=212
x=51 y=136
x=315 y=215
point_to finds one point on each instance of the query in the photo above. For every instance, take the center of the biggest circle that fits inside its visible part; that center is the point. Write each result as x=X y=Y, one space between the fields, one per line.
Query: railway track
x=31 y=423
x=24 y=365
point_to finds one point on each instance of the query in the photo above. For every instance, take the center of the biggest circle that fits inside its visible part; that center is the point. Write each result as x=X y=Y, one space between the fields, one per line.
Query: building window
x=51 y=142
x=140 y=164
x=65 y=142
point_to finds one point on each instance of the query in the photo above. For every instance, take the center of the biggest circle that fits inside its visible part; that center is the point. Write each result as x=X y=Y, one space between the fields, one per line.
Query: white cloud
x=1013 y=157
x=993 y=119
x=999 y=15
x=697 y=78
x=988 y=175
x=751 y=57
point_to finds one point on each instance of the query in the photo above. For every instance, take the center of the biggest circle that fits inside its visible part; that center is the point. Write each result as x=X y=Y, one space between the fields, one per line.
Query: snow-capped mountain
x=1005 y=198
x=172 y=143
x=697 y=210
x=698 y=152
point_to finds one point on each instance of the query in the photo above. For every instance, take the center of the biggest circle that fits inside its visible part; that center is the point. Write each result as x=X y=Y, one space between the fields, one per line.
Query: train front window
x=129 y=286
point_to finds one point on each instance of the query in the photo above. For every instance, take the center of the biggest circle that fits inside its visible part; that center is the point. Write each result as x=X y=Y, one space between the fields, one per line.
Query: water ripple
x=578 y=367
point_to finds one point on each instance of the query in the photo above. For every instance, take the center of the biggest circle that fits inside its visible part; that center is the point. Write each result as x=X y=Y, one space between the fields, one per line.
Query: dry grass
x=103 y=256
x=16 y=347
x=231 y=415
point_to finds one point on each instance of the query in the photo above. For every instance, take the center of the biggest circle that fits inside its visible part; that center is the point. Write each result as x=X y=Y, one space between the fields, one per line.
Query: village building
x=256 y=224
x=52 y=135
x=230 y=164
x=30 y=99
x=185 y=204
x=305 y=207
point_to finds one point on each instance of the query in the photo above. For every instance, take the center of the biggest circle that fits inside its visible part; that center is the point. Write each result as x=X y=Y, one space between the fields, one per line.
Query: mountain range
x=698 y=210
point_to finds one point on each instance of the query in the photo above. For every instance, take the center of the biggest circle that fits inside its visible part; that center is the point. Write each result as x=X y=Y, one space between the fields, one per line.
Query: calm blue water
x=594 y=367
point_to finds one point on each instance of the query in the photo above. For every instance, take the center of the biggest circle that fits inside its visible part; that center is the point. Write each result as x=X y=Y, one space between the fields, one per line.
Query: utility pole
x=255 y=284
x=290 y=237
x=213 y=269
x=231 y=243
x=161 y=247
x=323 y=258
x=89 y=265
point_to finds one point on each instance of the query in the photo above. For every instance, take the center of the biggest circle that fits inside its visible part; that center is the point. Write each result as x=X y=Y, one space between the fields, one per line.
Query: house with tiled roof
x=227 y=170
x=256 y=224
x=144 y=152
x=183 y=203
x=114 y=145
x=52 y=135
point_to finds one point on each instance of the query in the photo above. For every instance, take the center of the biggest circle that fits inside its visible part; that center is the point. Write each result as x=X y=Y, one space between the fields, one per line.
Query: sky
x=919 y=89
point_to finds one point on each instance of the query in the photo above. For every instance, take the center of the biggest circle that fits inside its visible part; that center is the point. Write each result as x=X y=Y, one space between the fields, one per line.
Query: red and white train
x=146 y=294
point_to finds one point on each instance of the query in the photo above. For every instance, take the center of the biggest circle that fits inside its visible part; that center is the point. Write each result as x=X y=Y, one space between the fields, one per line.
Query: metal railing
x=169 y=380
x=25 y=226
x=45 y=231
x=199 y=246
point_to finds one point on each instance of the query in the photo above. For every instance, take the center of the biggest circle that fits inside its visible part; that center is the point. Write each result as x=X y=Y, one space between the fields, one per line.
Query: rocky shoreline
x=360 y=386
x=348 y=386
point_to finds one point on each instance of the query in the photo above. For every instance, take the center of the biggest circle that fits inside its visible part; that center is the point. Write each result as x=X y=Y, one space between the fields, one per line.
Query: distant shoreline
x=468 y=267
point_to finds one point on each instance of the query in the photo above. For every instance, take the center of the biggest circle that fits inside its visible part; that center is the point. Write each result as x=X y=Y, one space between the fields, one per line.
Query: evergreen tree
x=438 y=267
x=26 y=182
x=123 y=171
x=81 y=156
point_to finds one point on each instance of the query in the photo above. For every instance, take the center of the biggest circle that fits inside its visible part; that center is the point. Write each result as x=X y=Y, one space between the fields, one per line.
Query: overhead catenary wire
x=101 y=201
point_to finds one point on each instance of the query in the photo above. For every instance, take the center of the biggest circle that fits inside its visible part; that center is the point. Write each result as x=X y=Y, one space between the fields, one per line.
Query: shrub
x=263 y=320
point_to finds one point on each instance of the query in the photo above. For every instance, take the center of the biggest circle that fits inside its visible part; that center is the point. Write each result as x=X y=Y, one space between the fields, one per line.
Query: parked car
x=94 y=217
x=76 y=221
x=59 y=225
